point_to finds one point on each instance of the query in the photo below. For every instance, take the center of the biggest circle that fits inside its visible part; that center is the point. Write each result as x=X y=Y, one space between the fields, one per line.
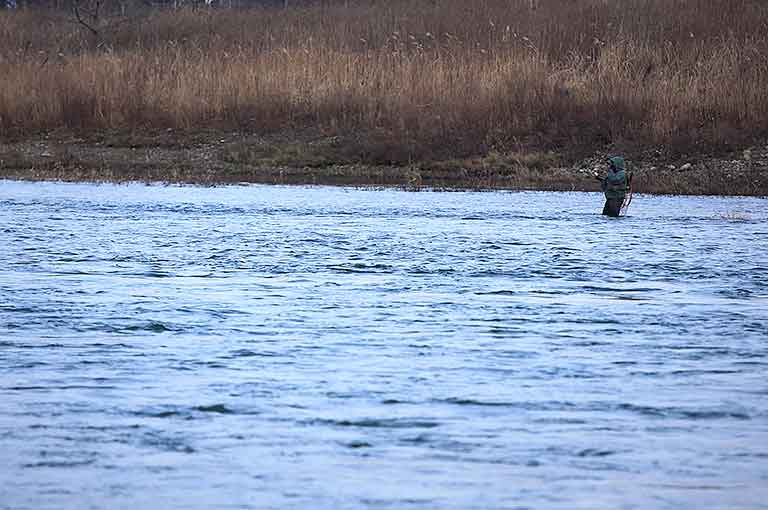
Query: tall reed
x=432 y=79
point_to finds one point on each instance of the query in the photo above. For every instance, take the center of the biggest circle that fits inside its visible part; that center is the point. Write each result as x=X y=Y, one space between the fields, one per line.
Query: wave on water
x=59 y=463
x=385 y=423
x=194 y=411
x=608 y=407
x=361 y=268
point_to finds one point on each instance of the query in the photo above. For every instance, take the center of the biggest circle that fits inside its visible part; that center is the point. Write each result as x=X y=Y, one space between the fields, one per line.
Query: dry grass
x=404 y=81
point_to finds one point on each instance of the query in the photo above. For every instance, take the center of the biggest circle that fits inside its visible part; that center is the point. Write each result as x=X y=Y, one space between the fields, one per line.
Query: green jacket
x=615 y=184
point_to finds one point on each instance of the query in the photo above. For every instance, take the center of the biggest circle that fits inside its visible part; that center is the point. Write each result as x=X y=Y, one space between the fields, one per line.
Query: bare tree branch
x=79 y=18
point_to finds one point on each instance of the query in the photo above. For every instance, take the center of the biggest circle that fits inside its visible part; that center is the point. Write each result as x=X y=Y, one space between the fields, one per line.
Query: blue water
x=331 y=348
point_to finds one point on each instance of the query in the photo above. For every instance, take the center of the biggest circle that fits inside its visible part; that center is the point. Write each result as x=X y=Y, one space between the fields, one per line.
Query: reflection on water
x=325 y=348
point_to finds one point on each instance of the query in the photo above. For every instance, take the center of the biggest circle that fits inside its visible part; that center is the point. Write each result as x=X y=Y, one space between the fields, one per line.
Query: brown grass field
x=424 y=86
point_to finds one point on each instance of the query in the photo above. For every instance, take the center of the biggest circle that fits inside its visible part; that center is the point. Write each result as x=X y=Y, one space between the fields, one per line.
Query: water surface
x=331 y=348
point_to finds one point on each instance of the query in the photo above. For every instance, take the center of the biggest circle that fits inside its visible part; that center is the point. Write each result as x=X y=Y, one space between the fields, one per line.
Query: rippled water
x=328 y=348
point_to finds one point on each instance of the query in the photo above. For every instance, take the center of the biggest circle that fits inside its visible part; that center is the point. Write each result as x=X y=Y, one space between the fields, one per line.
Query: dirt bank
x=210 y=158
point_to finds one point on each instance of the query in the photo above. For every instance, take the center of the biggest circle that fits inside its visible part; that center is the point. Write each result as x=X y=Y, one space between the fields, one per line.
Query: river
x=332 y=348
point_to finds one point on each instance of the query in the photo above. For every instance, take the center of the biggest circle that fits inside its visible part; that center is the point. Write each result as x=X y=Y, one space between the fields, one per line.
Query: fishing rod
x=627 y=197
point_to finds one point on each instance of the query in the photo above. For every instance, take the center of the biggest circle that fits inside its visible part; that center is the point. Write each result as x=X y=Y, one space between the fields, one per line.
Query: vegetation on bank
x=442 y=84
x=219 y=157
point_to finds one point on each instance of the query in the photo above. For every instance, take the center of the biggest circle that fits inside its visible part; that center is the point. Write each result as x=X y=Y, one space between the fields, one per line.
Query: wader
x=615 y=185
x=613 y=206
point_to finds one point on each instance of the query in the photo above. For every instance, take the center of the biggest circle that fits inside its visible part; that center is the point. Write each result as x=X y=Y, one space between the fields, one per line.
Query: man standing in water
x=615 y=185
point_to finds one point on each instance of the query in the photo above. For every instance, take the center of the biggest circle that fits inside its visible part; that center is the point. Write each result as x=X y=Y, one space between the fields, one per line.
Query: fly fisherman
x=615 y=185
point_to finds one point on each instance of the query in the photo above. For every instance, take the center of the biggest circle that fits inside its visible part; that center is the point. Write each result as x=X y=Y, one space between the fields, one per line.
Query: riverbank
x=216 y=157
